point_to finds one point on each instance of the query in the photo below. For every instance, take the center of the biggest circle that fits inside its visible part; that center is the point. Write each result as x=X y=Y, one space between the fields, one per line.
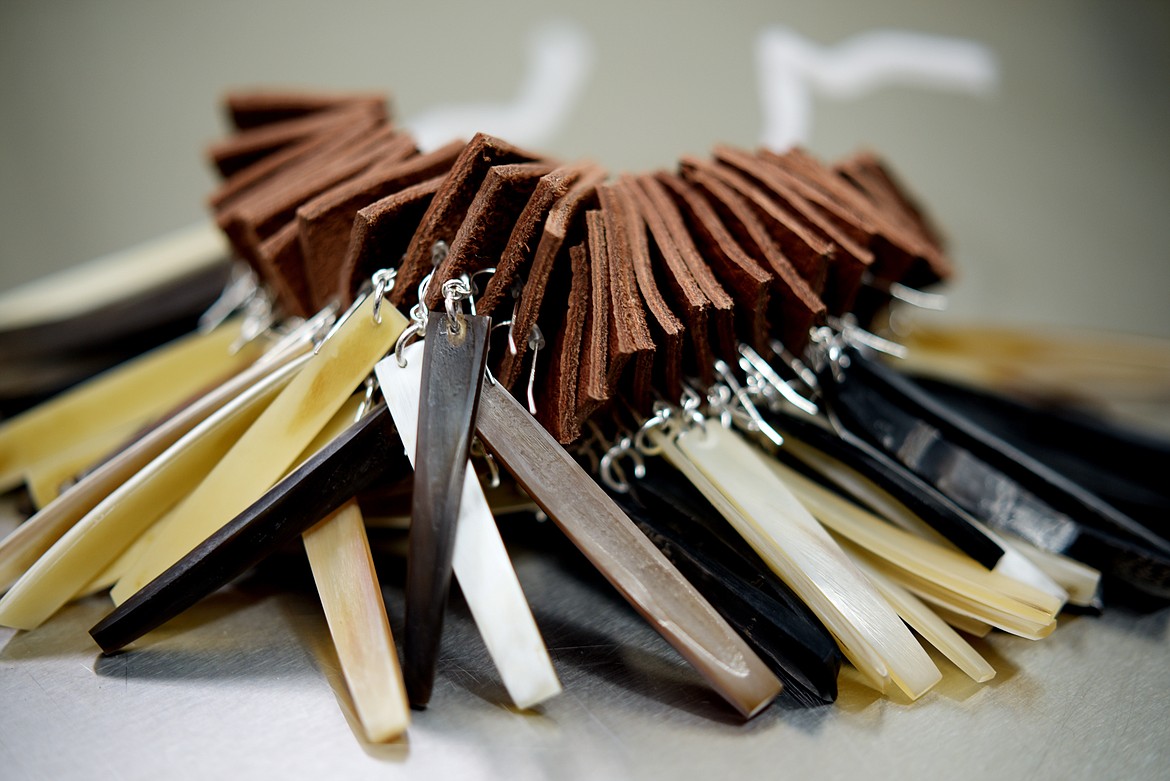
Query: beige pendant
x=952 y=576
x=266 y=451
x=131 y=394
x=343 y=569
x=803 y=554
x=480 y=561
x=98 y=542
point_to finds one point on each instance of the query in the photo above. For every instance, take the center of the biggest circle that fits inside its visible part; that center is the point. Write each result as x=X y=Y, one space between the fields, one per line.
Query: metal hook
x=740 y=394
x=241 y=287
x=454 y=291
x=535 y=343
x=857 y=336
x=490 y=271
x=517 y=289
x=477 y=450
x=765 y=371
x=358 y=300
x=383 y=280
x=935 y=302
x=371 y=387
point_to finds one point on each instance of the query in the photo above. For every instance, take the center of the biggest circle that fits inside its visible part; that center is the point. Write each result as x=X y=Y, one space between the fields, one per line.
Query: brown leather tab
x=592 y=388
x=254 y=213
x=686 y=298
x=266 y=211
x=280 y=258
x=254 y=108
x=630 y=342
x=749 y=284
x=809 y=253
x=799 y=299
x=631 y=254
x=249 y=146
x=346 y=126
x=525 y=237
x=663 y=214
x=848 y=263
x=563 y=220
x=896 y=250
x=449 y=207
x=491 y=217
x=869 y=175
x=557 y=410
x=382 y=232
x=325 y=223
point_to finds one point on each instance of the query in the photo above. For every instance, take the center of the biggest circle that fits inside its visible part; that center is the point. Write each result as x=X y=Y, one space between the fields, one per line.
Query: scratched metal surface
x=246 y=686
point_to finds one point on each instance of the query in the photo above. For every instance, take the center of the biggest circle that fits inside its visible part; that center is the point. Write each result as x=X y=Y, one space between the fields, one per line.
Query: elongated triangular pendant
x=453 y=363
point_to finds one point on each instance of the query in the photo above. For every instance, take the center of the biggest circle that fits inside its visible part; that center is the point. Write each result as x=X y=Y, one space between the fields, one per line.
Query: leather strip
x=748 y=282
x=865 y=172
x=630 y=341
x=325 y=223
x=449 y=207
x=264 y=107
x=490 y=219
x=849 y=262
x=557 y=411
x=666 y=330
x=268 y=210
x=896 y=250
x=247 y=147
x=526 y=234
x=381 y=232
x=665 y=221
x=592 y=388
x=563 y=219
x=282 y=264
x=798 y=299
x=292 y=155
x=808 y=253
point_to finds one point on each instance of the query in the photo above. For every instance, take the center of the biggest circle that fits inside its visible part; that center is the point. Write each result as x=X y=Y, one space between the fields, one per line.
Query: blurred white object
x=790 y=68
x=560 y=58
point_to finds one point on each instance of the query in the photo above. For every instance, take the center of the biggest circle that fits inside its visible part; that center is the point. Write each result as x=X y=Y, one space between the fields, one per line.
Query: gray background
x=1055 y=191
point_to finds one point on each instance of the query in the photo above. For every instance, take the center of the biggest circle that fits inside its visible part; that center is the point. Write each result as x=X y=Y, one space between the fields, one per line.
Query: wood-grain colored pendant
x=351 y=463
x=480 y=562
x=267 y=450
x=622 y=554
x=80 y=554
x=453 y=365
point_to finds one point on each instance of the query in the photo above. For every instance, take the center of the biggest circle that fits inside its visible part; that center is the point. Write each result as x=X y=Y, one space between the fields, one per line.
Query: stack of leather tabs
x=693 y=340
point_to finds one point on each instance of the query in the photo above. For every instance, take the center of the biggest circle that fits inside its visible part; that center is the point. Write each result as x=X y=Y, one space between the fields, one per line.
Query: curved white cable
x=790 y=68
x=560 y=58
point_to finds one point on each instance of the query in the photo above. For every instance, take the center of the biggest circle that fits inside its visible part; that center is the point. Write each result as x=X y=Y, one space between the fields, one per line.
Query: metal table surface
x=246 y=685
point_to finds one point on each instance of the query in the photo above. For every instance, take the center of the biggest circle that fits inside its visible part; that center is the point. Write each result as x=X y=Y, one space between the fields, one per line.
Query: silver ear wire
x=517 y=289
x=371 y=387
x=935 y=302
x=751 y=361
x=755 y=421
x=359 y=299
x=855 y=335
x=455 y=291
x=241 y=287
x=475 y=286
x=535 y=343
x=383 y=280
